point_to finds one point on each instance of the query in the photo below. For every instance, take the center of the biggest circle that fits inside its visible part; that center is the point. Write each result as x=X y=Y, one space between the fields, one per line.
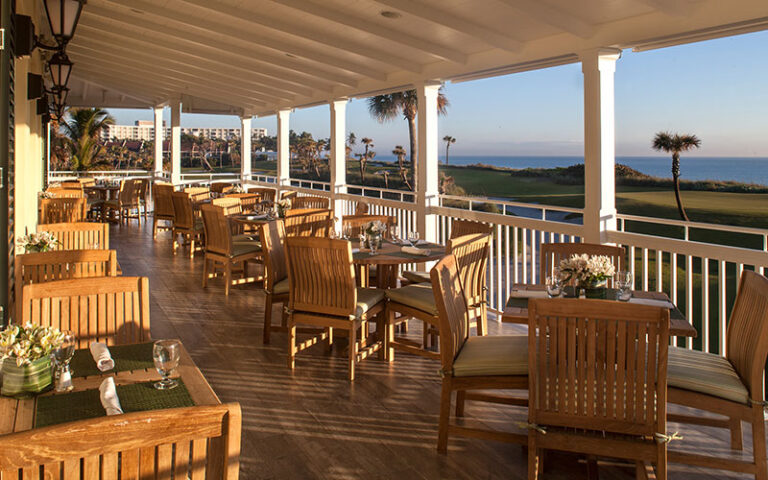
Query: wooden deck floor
x=314 y=424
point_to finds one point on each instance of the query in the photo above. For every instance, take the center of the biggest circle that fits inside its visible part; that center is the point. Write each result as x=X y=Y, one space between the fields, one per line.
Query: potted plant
x=38 y=242
x=283 y=206
x=25 y=364
x=589 y=273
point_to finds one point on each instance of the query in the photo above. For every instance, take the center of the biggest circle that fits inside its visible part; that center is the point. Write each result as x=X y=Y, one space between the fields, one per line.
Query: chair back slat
x=551 y=254
x=198 y=194
x=361 y=208
x=459 y=228
x=191 y=442
x=322 y=279
x=61 y=265
x=219 y=187
x=310 y=202
x=63 y=210
x=272 y=236
x=75 y=185
x=248 y=201
x=218 y=234
x=60 y=192
x=230 y=206
x=78 y=235
x=289 y=194
x=747 y=335
x=161 y=196
x=114 y=310
x=356 y=223
x=598 y=365
x=308 y=222
x=183 y=211
x=267 y=194
x=452 y=309
x=471 y=252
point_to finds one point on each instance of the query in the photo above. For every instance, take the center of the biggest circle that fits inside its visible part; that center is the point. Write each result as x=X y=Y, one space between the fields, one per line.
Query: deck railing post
x=158 y=136
x=283 y=149
x=245 y=149
x=338 y=160
x=598 y=67
x=426 y=180
x=176 y=142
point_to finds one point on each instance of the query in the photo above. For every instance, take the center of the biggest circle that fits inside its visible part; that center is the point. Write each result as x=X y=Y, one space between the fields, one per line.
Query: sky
x=717 y=90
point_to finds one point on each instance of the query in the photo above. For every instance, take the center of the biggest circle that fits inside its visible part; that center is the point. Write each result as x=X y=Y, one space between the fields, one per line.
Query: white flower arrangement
x=376 y=227
x=29 y=342
x=587 y=269
x=38 y=242
x=238 y=189
x=283 y=206
x=42 y=195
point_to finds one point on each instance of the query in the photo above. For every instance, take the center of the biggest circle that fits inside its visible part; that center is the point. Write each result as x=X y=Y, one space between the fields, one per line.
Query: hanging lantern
x=61 y=67
x=63 y=16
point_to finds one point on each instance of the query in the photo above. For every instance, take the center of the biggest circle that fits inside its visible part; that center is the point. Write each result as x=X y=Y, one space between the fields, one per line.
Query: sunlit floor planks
x=314 y=424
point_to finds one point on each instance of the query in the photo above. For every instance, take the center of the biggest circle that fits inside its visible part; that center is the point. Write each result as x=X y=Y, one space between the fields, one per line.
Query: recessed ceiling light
x=390 y=14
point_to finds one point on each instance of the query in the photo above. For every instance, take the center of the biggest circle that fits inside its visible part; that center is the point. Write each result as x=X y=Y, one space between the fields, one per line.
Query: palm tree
x=674 y=144
x=387 y=107
x=448 y=141
x=400 y=153
x=368 y=154
x=81 y=128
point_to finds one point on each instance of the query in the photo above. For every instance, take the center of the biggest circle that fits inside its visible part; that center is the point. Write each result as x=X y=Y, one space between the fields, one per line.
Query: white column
x=427 y=160
x=598 y=67
x=245 y=149
x=176 y=143
x=158 y=141
x=338 y=160
x=283 y=149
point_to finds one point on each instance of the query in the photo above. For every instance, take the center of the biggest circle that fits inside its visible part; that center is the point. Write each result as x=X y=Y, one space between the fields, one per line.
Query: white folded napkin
x=108 y=396
x=528 y=294
x=652 y=302
x=101 y=356
x=415 y=251
x=355 y=250
x=422 y=242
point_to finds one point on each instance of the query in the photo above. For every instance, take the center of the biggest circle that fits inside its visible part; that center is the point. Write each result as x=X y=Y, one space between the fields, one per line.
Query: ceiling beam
x=304 y=31
x=320 y=59
x=86 y=82
x=387 y=33
x=124 y=87
x=194 y=82
x=555 y=17
x=279 y=65
x=182 y=44
x=172 y=62
x=97 y=35
x=459 y=24
x=675 y=8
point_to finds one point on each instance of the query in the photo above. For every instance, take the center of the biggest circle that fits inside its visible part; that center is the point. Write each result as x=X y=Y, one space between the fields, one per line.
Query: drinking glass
x=166 y=354
x=393 y=234
x=413 y=238
x=61 y=358
x=346 y=230
x=554 y=286
x=624 y=285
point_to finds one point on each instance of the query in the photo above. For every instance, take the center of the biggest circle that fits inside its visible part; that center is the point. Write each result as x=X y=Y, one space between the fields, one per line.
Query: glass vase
x=32 y=378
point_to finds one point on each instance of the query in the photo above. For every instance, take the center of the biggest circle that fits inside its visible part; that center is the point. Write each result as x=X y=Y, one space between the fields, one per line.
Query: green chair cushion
x=281 y=287
x=241 y=249
x=367 y=298
x=705 y=373
x=414 y=276
x=492 y=355
x=418 y=296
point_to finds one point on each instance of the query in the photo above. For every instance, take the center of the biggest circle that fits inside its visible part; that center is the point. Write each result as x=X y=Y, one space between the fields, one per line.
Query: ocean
x=738 y=169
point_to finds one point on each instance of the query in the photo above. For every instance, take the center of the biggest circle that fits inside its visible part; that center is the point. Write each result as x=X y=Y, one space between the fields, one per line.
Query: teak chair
x=355 y=223
x=731 y=386
x=459 y=228
x=61 y=265
x=185 y=223
x=230 y=206
x=60 y=192
x=418 y=301
x=198 y=194
x=248 y=201
x=598 y=381
x=323 y=294
x=127 y=200
x=142 y=196
x=494 y=362
x=219 y=187
x=361 y=208
x=74 y=185
x=78 y=235
x=221 y=250
x=114 y=310
x=308 y=222
x=288 y=194
x=191 y=442
x=310 y=202
x=163 y=209
x=267 y=194
x=276 y=285
x=63 y=210
x=551 y=254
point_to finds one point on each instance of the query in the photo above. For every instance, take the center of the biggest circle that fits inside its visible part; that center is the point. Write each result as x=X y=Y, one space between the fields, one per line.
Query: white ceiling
x=253 y=57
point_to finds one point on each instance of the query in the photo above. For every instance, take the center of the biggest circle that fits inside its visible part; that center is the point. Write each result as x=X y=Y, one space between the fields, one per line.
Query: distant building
x=145 y=130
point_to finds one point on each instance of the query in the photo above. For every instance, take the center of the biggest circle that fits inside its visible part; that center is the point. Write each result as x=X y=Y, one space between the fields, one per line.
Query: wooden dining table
x=19 y=414
x=516 y=309
x=387 y=260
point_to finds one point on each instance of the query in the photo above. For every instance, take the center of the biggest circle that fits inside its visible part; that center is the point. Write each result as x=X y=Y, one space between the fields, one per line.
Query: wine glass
x=166 y=354
x=346 y=231
x=413 y=238
x=393 y=234
x=554 y=285
x=624 y=284
x=62 y=355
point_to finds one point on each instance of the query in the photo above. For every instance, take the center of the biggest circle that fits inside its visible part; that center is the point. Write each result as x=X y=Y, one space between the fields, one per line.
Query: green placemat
x=137 y=397
x=127 y=357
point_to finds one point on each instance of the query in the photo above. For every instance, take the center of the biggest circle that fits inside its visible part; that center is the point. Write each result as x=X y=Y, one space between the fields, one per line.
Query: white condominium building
x=145 y=130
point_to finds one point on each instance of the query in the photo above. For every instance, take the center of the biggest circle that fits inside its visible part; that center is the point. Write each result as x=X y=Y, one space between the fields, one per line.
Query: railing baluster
x=689 y=295
x=705 y=304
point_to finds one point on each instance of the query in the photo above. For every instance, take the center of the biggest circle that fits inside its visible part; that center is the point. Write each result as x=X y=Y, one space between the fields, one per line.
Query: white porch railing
x=64 y=175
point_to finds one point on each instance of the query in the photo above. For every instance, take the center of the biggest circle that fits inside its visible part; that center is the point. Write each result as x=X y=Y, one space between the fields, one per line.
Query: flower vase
x=595 y=289
x=31 y=378
x=373 y=239
x=280 y=212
